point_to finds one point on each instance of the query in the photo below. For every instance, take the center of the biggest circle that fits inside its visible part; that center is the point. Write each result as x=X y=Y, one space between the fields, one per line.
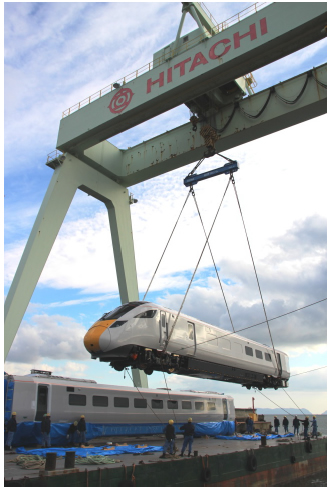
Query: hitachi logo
x=218 y=50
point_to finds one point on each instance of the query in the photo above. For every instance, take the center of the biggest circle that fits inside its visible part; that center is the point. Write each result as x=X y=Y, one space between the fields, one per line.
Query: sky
x=55 y=55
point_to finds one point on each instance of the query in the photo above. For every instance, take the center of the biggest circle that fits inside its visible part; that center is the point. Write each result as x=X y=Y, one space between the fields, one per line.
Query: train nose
x=97 y=338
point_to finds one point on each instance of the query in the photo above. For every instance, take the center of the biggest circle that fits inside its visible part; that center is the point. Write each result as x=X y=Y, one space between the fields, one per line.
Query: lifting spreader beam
x=228 y=168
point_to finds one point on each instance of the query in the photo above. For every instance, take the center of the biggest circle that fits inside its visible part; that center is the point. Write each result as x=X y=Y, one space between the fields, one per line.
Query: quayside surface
x=218 y=463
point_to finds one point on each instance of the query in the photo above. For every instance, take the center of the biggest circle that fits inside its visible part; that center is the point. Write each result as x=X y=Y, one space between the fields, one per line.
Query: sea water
x=319 y=480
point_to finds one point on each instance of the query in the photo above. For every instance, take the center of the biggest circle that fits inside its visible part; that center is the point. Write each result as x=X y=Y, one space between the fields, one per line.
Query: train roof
x=60 y=380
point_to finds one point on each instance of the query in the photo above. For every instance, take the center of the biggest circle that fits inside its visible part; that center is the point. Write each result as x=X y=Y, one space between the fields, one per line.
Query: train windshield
x=121 y=310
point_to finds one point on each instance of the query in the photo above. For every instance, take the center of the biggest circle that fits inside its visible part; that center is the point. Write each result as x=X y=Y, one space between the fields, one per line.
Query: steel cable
x=169 y=396
x=252 y=326
x=305 y=372
x=257 y=391
x=293 y=401
x=166 y=245
x=143 y=396
x=215 y=267
x=255 y=271
x=192 y=278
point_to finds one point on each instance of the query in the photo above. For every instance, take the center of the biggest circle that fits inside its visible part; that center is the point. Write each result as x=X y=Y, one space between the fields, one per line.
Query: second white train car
x=33 y=395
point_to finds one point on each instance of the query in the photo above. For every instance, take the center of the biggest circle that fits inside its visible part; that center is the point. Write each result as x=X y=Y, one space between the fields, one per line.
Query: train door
x=42 y=402
x=279 y=363
x=191 y=339
x=225 y=409
x=163 y=326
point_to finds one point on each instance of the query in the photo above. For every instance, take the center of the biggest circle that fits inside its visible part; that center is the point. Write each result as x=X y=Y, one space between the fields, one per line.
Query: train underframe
x=150 y=360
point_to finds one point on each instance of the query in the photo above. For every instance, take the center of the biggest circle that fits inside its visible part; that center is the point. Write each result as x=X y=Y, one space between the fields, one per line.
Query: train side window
x=210 y=405
x=186 y=405
x=140 y=403
x=172 y=404
x=79 y=400
x=199 y=405
x=100 y=401
x=121 y=402
x=268 y=357
x=259 y=354
x=121 y=310
x=190 y=331
x=157 y=404
x=70 y=388
x=248 y=351
x=147 y=314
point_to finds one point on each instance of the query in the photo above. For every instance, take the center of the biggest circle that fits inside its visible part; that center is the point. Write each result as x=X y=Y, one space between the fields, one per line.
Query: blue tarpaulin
x=254 y=437
x=93 y=451
x=29 y=433
x=8 y=398
x=223 y=428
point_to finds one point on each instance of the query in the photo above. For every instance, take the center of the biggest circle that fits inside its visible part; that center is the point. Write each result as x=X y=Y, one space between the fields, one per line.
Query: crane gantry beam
x=266 y=36
x=182 y=145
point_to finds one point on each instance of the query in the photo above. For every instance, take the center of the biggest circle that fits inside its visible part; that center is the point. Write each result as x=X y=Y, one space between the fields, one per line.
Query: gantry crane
x=203 y=70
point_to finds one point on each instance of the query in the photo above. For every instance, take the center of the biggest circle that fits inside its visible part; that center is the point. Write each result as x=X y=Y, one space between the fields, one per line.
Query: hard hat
x=171 y=422
x=13 y=413
x=75 y=423
x=82 y=416
x=190 y=419
x=47 y=414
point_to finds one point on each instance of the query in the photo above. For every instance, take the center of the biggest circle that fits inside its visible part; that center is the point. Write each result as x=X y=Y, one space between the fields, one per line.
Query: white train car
x=108 y=410
x=136 y=333
x=67 y=398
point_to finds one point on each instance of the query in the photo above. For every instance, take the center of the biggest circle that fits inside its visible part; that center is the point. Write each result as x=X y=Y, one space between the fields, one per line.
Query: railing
x=149 y=66
x=54 y=155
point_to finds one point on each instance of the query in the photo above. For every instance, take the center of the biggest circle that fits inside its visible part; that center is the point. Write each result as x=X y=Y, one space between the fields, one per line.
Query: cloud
x=53 y=337
x=66 y=369
x=306 y=236
x=86 y=58
x=291 y=282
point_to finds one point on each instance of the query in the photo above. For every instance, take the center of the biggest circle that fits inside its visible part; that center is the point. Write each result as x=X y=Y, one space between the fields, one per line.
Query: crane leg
x=71 y=175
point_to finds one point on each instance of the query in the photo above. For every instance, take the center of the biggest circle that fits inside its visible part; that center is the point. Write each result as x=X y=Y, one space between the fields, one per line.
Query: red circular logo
x=121 y=100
